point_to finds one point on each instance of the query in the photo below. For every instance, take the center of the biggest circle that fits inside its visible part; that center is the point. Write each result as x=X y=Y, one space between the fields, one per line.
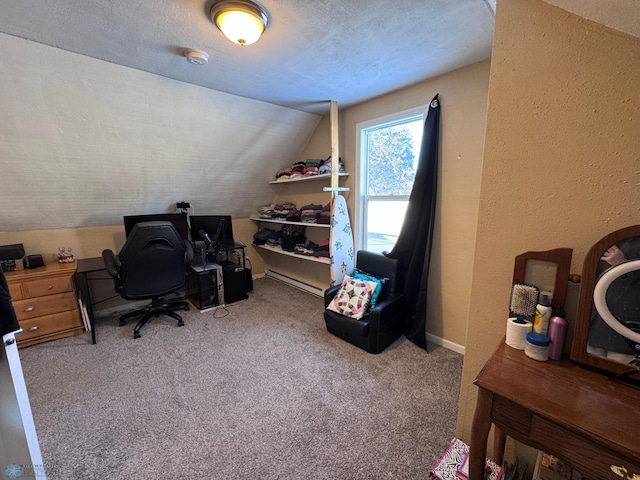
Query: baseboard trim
x=307 y=287
x=446 y=343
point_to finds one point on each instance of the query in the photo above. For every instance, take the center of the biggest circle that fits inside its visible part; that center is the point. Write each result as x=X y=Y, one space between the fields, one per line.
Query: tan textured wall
x=463 y=95
x=89 y=242
x=561 y=165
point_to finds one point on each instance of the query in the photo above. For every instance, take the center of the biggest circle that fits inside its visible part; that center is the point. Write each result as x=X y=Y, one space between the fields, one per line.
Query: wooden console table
x=575 y=414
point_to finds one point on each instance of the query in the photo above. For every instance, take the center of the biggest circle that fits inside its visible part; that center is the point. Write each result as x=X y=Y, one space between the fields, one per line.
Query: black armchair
x=151 y=264
x=383 y=324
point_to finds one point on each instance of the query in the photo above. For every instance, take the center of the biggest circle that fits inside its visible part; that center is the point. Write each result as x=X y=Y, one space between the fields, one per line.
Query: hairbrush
x=523 y=301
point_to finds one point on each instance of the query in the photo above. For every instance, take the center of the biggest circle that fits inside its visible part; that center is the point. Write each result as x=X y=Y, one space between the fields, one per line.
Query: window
x=388 y=152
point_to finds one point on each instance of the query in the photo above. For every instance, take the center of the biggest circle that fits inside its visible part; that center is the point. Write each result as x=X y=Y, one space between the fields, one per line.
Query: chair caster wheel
x=136 y=335
x=122 y=323
x=180 y=323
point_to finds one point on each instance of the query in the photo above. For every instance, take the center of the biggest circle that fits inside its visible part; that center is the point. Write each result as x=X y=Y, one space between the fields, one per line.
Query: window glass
x=389 y=149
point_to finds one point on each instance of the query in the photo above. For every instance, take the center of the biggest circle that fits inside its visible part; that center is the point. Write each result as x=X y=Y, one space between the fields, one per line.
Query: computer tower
x=205 y=286
x=235 y=282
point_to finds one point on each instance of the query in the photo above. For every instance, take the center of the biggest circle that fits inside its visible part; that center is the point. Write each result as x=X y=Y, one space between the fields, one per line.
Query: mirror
x=607 y=328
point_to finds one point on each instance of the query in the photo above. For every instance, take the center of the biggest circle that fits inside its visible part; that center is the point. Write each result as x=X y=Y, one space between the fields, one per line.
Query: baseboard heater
x=294 y=282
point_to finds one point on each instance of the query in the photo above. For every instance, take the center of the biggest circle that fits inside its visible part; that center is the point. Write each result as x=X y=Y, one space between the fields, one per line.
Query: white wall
x=84 y=142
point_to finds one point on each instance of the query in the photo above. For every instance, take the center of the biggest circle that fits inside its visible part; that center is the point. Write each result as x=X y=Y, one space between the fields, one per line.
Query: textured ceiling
x=314 y=50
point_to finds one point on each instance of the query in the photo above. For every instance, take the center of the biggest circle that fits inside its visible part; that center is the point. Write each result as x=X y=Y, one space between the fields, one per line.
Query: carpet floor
x=254 y=390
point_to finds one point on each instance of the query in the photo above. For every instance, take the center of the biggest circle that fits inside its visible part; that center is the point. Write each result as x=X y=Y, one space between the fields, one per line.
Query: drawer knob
x=50 y=287
x=33 y=329
x=28 y=309
x=622 y=471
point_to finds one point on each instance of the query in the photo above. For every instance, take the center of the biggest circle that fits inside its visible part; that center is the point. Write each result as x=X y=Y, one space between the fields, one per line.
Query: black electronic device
x=179 y=220
x=9 y=254
x=205 y=286
x=33 y=261
x=235 y=282
x=217 y=227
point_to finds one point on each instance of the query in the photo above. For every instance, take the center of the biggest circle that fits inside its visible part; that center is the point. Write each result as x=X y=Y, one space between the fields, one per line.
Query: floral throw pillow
x=353 y=298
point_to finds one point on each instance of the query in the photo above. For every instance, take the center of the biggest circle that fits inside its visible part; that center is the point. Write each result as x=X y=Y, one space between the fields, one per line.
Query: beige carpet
x=261 y=393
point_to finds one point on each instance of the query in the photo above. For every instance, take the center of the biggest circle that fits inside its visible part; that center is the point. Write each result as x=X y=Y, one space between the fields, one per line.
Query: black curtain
x=413 y=247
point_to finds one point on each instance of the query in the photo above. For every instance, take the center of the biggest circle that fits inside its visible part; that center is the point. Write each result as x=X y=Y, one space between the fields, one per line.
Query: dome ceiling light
x=241 y=21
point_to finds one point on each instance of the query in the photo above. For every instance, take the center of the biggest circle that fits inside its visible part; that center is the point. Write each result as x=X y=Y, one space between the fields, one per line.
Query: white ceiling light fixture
x=196 y=57
x=241 y=21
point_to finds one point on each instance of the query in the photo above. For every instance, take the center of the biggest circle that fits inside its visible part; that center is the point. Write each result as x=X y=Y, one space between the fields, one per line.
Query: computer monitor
x=212 y=225
x=179 y=220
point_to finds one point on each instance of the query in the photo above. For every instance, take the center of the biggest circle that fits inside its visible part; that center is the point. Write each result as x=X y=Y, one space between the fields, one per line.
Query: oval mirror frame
x=590 y=275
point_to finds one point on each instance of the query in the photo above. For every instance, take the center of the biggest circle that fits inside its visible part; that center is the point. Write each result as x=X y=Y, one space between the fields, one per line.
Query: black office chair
x=151 y=265
x=383 y=324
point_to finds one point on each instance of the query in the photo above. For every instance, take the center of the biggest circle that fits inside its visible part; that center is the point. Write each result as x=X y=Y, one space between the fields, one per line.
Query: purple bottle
x=557 y=333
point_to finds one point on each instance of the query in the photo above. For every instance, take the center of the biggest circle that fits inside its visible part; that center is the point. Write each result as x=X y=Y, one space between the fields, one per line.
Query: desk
x=84 y=267
x=575 y=414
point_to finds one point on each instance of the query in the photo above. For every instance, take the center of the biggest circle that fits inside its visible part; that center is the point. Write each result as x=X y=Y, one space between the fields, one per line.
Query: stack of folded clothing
x=308 y=168
x=274 y=239
x=293 y=215
x=283 y=174
x=312 y=249
x=324 y=217
x=266 y=211
x=282 y=209
x=261 y=237
x=311 y=166
x=302 y=249
x=326 y=166
x=310 y=213
x=292 y=235
x=321 y=249
x=297 y=170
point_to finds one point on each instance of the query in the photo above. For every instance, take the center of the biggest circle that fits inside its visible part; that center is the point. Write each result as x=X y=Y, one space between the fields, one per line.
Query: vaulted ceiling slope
x=313 y=51
x=84 y=142
x=88 y=135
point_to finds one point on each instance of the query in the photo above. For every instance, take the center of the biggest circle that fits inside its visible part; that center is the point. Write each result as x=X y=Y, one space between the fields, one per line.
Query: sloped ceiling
x=313 y=51
x=84 y=142
x=102 y=116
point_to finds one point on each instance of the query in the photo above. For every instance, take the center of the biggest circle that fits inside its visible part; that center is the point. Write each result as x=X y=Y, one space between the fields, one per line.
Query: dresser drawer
x=47 y=286
x=599 y=461
x=49 y=325
x=36 y=307
x=15 y=290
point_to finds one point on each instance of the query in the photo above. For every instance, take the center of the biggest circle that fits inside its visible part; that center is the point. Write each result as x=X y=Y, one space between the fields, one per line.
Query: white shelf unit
x=308 y=179
x=284 y=222
x=312 y=274
x=296 y=255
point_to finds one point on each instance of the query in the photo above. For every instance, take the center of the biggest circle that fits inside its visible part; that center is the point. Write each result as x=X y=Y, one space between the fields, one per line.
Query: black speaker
x=249 y=279
x=235 y=282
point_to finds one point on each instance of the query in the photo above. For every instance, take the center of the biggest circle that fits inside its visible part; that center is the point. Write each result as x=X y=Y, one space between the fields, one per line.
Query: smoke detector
x=196 y=57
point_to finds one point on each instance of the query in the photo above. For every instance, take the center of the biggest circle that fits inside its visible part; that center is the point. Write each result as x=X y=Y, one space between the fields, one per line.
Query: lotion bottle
x=557 y=334
x=543 y=314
